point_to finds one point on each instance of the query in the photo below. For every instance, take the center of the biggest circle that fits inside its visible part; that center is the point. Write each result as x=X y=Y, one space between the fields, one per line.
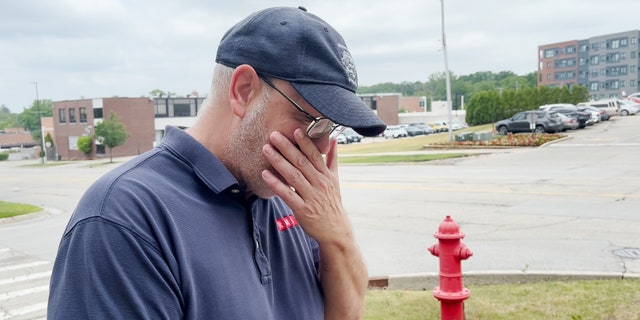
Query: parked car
x=342 y=139
x=610 y=106
x=352 y=135
x=426 y=129
x=395 y=132
x=544 y=121
x=413 y=131
x=634 y=97
x=556 y=106
x=454 y=125
x=568 y=123
x=582 y=117
x=438 y=127
x=627 y=108
x=602 y=115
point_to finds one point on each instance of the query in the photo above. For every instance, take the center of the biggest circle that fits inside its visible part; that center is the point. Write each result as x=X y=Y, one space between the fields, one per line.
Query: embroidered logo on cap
x=286 y=223
x=347 y=63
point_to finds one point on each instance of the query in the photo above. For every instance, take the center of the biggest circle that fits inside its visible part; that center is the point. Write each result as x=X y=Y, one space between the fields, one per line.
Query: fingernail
x=267 y=149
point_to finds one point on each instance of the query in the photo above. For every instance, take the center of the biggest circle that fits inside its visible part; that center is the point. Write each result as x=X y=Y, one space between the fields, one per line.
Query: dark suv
x=544 y=121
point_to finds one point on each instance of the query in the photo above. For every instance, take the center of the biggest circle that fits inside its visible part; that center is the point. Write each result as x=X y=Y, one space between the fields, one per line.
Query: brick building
x=75 y=118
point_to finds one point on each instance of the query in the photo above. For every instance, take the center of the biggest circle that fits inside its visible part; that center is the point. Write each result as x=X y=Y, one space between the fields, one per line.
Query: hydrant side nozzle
x=464 y=253
x=434 y=249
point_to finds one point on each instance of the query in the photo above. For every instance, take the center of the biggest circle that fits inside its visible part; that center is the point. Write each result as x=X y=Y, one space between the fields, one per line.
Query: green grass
x=398 y=158
x=100 y=164
x=365 y=151
x=572 y=300
x=404 y=144
x=10 y=209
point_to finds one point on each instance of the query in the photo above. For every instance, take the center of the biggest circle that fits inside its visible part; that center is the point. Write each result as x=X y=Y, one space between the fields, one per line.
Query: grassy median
x=377 y=151
x=571 y=300
x=10 y=209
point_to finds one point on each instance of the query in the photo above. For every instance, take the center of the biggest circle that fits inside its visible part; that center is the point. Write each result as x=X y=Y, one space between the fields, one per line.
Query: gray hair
x=220 y=87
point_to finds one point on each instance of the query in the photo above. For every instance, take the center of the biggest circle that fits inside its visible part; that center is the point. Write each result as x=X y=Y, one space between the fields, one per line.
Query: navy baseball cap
x=294 y=45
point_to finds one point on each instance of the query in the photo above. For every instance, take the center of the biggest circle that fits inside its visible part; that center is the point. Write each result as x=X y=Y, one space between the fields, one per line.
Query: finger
x=282 y=190
x=332 y=156
x=310 y=150
x=286 y=159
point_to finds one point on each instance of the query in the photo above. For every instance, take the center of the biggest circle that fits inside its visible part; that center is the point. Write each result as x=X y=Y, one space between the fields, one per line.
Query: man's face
x=271 y=113
x=244 y=150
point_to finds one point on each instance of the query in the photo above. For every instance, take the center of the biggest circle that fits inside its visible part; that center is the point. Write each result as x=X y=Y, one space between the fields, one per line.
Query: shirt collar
x=204 y=163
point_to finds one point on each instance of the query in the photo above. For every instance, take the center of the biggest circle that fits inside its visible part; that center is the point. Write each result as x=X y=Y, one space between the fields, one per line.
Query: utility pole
x=43 y=150
x=446 y=72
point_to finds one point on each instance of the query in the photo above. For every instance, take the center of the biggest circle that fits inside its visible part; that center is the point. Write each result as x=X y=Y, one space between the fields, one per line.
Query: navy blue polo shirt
x=170 y=235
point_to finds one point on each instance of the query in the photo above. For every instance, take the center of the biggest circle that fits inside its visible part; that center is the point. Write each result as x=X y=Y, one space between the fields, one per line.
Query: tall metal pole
x=43 y=148
x=446 y=70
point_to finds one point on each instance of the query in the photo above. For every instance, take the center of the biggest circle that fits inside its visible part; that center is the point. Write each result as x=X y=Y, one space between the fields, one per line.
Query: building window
x=62 y=115
x=97 y=113
x=181 y=109
x=161 y=108
x=72 y=115
x=633 y=54
x=583 y=48
x=570 y=50
x=593 y=86
x=83 y=115
x=615 y=44
x=614 y=85
x=550 y=53
x=594 y=60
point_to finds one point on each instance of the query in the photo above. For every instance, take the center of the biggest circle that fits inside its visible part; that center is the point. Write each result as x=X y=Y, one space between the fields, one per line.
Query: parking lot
x=569 y=207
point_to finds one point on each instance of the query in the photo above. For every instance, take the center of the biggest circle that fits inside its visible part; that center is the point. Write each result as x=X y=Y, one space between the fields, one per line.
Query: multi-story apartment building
x=607 y=65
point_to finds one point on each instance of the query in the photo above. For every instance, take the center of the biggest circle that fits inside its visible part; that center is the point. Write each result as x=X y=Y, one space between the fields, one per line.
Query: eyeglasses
x=319 y=126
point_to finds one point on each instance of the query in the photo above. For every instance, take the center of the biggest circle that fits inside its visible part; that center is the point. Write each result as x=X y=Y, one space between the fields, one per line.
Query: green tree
x=157 y=93
x=111 y=133
x=30 y=117
x=84 y=144
x=7 y=119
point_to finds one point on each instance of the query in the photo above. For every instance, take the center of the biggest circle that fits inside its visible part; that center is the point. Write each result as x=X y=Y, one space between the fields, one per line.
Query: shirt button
x=235 y=191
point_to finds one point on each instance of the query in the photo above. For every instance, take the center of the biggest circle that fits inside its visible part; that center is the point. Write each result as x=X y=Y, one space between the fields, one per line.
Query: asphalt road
x=570 y=207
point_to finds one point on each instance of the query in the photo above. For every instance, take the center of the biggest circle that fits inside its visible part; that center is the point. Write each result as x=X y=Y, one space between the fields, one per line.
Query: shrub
x=4 y=156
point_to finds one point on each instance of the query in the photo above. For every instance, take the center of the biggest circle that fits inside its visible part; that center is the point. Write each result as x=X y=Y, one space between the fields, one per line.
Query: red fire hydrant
x=451 y=251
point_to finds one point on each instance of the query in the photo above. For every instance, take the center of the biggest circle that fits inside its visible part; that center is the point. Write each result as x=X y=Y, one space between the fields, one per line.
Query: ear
x=245 y=86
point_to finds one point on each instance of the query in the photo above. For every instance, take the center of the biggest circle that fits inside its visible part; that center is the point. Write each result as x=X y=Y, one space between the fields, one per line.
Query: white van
x=610 y=106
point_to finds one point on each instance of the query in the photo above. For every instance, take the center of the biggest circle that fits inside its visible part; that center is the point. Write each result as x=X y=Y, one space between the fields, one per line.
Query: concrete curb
x=428 y=281
x=28 y=216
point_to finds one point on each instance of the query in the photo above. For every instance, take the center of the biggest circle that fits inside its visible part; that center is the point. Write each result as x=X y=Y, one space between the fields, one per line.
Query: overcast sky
x=103 y=48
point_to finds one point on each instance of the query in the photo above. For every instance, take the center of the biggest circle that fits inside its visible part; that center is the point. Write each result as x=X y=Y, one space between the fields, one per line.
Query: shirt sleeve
x=105 y=271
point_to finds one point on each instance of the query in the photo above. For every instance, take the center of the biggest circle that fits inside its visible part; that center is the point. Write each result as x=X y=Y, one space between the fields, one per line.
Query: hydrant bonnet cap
x=449 y=229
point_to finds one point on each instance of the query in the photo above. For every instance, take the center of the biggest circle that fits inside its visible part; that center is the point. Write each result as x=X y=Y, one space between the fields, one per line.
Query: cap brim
x=342 y=107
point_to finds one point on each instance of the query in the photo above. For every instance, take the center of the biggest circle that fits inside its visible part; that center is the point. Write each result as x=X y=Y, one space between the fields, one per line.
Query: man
x=239 y=216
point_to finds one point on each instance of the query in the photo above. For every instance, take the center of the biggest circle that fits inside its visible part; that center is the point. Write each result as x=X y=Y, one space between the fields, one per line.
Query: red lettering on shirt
x=287 y=222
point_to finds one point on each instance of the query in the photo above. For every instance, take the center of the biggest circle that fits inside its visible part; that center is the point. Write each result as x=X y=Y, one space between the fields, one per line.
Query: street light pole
x=43 y=150
x=446 y=71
